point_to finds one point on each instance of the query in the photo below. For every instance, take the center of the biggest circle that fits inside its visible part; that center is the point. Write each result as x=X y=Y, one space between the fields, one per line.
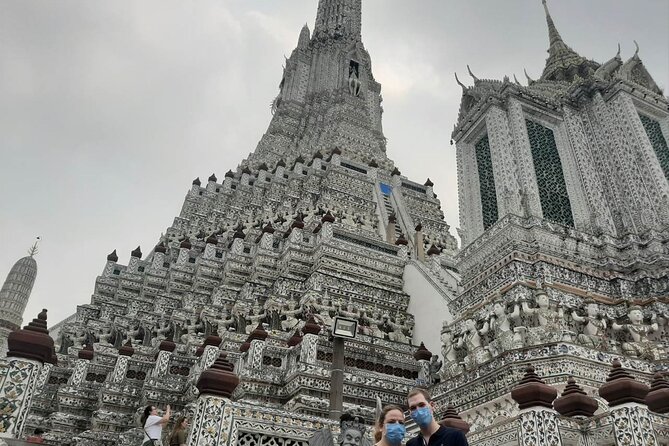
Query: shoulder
x=152 y=419
x=453 y=437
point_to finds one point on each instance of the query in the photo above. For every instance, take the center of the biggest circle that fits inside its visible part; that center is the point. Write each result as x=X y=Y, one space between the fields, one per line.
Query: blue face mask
x=395 y=433
x=422 y=416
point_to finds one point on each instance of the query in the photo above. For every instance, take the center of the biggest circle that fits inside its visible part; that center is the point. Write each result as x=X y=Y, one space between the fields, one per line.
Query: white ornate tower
x=564 y=208
x=14 y=296
x=585 y=146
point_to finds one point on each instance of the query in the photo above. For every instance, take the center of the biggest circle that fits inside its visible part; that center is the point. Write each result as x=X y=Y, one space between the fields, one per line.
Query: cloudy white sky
x=109 y=109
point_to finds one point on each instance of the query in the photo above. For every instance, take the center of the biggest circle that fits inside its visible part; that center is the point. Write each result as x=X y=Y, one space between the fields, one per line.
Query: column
x=212 y=422
x=29 y=349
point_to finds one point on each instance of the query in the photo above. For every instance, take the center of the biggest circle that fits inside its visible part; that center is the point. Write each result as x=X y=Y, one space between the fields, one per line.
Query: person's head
x=149 y=410
x=421 y=407
x=390 y=425
x=181 y=424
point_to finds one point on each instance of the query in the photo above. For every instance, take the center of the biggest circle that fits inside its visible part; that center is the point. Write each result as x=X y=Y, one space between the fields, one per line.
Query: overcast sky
x=108 y=110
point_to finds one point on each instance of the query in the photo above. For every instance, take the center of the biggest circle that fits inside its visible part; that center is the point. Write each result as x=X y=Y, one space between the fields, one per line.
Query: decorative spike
x=33 y=249
x=618 y=53
x=529 y=79
x=476 y=79
x=459 y=83
x=636 y=51
x=515 y=79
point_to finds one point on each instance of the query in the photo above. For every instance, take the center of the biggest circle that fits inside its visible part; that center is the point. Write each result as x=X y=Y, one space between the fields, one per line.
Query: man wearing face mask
x=431 y=433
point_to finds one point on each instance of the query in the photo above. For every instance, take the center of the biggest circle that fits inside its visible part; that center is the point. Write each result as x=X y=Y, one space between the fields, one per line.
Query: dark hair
x=384 y=412
x=145 y=415
x=177 y=427
x=378 y=427
x=39 y=431
x=419 y=391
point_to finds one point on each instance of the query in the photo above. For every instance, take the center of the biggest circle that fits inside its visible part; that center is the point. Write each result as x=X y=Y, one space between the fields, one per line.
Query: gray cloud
x=109 y=109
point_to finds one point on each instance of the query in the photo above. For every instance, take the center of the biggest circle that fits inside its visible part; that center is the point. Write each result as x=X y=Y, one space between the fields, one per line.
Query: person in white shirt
x=152 y=424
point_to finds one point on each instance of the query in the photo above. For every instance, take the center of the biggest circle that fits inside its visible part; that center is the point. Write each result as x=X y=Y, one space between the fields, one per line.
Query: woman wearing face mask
x=390 y=427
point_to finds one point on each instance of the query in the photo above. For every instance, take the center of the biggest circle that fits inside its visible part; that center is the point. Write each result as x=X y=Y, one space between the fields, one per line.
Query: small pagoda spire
x=87 y=352
x=296 y=339
x=533 y=392
x=137 y=252
x=574 y=402
x=218 y=380
x=112 y=257
x=311 y=327
x=422 y=354
x=453 y=419
x=621 y=388
x=32 y=341
x=126 y=349
x=657 y=399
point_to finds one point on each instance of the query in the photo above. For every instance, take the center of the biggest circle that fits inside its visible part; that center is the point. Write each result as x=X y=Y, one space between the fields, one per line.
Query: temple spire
x=563 y=63
x=339 y=19
x=553 y=34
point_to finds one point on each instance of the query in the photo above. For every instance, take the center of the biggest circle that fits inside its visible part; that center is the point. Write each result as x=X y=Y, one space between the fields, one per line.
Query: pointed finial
x=553 y=34
x=459 y=83
x=636 y=52
x=529 y=79
x=33 y=249
x=618 y=53
x=472 y=74
x=515 y=79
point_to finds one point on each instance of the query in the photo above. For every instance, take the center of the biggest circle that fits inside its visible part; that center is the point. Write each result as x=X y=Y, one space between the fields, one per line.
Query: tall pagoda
x=318 y=222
